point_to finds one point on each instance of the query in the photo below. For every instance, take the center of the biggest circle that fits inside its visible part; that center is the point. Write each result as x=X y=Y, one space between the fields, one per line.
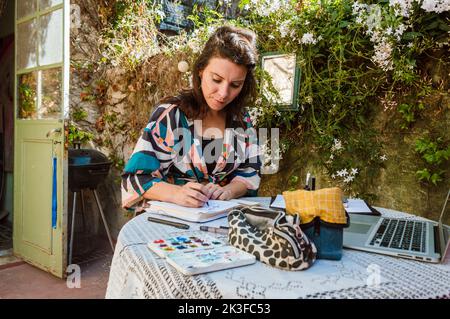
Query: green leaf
x=435 y=178
x=343 y=24
x=432 y=25
x=411 y=35
x=429 y=158
x=444 y=27
x=423 y=174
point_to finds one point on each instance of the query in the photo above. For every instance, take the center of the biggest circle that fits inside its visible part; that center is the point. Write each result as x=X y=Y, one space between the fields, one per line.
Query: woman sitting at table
x=206 y=160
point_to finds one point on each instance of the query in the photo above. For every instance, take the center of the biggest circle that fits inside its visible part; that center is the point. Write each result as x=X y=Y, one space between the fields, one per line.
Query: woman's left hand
x=218 y=192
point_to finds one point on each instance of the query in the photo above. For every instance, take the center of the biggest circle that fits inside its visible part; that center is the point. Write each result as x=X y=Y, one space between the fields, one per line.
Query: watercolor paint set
x=194 y=253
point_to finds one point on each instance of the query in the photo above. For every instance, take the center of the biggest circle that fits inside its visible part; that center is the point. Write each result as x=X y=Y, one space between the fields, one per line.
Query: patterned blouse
x=169 y=150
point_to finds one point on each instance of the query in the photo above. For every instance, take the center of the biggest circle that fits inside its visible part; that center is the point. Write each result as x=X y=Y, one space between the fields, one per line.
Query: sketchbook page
x=279 y=202
x=357 y=206
x=214 y=208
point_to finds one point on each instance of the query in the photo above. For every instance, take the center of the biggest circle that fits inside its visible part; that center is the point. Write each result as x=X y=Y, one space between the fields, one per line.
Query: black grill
x=87 y=168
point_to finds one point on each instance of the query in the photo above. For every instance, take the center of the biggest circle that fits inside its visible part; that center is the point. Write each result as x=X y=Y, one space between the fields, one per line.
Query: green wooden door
x=40 y=156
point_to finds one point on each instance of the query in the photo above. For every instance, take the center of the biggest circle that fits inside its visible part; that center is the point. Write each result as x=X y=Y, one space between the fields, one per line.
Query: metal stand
x=73 y=221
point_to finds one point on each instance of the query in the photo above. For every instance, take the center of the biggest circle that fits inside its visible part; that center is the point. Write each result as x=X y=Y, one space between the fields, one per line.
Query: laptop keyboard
x=400 y=234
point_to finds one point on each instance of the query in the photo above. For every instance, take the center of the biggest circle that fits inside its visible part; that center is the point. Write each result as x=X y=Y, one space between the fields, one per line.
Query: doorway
x=6 y=127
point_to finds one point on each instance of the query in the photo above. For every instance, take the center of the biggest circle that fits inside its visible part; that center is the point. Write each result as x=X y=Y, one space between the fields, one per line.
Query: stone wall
x=119 y=102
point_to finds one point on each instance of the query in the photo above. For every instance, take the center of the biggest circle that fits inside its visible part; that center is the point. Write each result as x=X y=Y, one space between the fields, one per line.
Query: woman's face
x=221 y=82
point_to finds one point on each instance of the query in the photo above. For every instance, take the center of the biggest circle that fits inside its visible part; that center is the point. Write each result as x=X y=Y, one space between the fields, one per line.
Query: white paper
x=356 y=205
x=279 y=202
x=214 y=209
x=245 y=202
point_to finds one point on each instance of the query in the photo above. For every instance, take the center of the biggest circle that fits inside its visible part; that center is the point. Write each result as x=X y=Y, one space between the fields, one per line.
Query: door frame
x=65 y=111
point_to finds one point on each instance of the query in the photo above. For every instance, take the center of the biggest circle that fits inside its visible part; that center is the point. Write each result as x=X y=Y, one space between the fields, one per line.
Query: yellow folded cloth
x=325 y=203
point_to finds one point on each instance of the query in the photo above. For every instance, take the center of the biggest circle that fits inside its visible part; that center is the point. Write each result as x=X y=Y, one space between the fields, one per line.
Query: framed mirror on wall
x=285 y=75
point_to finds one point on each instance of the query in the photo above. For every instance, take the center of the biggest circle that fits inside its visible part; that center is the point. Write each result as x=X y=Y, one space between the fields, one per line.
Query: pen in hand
x=196 y=177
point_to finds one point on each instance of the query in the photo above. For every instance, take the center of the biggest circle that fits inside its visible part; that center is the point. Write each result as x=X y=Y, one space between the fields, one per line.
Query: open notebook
x=215 y=209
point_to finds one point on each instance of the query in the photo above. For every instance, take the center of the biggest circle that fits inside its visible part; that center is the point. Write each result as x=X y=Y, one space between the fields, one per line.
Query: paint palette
x=184 y=243
x=194 y=253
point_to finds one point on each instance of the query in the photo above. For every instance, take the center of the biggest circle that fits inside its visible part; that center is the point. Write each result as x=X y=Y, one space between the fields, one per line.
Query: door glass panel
x=27 y=93
x=51 y=94
x=25 y=8
x=26 y=44
x=51 y=38
x=44 y=4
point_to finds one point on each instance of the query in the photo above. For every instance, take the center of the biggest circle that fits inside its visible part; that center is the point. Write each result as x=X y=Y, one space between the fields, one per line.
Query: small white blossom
x=308 y=38
x=349 y=178
x=437 y=6
x=337 y=145
x=283 y=28
x=342 y=172
x=402 y=7
x=383 y=158
x=382 y=56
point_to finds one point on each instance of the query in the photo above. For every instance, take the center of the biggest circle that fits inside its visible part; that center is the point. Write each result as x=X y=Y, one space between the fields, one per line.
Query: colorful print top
x=169 y=149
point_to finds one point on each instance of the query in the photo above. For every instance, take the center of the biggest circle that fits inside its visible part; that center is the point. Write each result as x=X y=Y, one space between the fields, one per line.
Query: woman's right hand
x=191 y=195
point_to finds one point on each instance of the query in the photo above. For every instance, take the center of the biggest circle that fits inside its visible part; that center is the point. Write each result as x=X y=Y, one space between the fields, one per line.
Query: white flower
x=342 y=172
x=349 y=178
x=283 y=28
x=383 y=158
x=382 y=55
x=337 y=146
x=254 y=113
x=353 y=171
x=308 y=38
x=403 y=7
x=333 y=176
x=437 y=6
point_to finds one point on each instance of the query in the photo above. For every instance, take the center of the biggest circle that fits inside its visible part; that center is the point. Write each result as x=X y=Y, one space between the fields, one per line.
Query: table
x=136 y=272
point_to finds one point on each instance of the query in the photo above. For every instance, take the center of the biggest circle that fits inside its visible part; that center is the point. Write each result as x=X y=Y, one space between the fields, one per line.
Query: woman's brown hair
x=235 y=44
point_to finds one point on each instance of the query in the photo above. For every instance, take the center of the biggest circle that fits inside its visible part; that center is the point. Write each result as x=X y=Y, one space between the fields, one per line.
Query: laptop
x=401 y=237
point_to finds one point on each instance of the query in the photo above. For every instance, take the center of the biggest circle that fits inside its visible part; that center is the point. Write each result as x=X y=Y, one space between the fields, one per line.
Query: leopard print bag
x=272 y=236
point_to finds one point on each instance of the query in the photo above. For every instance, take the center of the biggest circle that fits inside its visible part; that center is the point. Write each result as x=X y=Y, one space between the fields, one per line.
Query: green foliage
x=79 y=114
x=293 y=182
x=27 y=97
x=408 y=112
x=78 y=136
x=350 y=54
x=435 y=155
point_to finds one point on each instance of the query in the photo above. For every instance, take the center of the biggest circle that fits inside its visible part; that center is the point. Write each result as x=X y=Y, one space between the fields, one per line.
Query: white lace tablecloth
x=136 y=272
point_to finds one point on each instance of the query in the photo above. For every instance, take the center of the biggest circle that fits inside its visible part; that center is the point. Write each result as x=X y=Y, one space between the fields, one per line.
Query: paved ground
x=20 y=280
